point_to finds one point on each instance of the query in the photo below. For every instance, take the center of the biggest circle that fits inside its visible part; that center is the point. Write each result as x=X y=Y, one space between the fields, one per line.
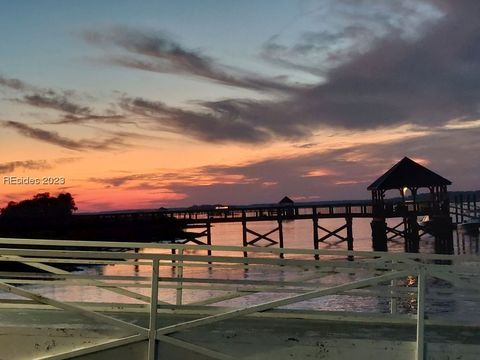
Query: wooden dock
x=198 y=221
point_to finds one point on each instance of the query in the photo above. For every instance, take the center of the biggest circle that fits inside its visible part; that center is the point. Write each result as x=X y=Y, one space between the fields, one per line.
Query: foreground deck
x=273 y=336
x=345 y=305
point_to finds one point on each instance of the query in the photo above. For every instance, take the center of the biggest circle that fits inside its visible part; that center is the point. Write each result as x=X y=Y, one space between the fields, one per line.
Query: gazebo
x=408 y=175
x=288 y=207
x=286 y=201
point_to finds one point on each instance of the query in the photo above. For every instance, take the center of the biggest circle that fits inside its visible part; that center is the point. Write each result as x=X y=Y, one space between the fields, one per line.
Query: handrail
x=220 y=248
x=376 y=274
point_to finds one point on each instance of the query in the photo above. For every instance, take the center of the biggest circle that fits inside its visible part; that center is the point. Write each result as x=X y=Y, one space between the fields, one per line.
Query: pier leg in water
x=379 y=234
x=315 y=231
x=412 y=237
x=349 y=236
x=280 y=236
x=209 y=237
x=244 y=233
x=442 y=230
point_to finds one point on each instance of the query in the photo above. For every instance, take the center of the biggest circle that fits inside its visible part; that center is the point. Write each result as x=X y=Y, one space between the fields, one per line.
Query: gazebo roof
x=408 y=173
x=286 y=200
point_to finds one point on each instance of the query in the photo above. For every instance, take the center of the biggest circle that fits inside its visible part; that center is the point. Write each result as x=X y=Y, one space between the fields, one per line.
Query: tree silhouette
x=41 y=206
x=49 y=217
x=43 y=215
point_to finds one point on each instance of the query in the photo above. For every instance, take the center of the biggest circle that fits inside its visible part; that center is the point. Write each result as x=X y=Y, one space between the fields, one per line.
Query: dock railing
x=173 y=278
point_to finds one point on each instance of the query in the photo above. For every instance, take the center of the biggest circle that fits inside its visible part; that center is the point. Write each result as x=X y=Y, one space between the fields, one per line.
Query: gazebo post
x=442 y=222
x=379 y=234
x=412 y=237
x=378 y=224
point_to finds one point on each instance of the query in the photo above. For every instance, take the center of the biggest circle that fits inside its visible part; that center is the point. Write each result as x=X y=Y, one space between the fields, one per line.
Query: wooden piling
x=244 y=232
x=209 y=236
x=349 y=222
x=442 y=231
x=412 y=238
x=379 y=234
x=315 y=230
x=280 y=235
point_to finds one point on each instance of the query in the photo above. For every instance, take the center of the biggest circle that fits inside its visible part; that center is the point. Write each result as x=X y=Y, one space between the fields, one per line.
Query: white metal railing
x=395 y=277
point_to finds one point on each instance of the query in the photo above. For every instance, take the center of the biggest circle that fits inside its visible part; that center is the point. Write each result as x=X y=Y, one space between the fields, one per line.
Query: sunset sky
x=147 y=104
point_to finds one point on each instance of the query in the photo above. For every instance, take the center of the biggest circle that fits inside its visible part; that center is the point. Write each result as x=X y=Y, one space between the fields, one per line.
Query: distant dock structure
x=405 y=177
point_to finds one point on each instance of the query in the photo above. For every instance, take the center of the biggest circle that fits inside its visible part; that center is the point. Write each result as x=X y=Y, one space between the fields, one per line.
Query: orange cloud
x=318 y=173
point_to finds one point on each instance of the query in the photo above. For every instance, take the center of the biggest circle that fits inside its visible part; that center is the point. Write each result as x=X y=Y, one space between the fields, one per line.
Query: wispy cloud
x=215 y=123
x=202 y=176
x=54 y=138
x=341 y=30
x=157 y=52
x=52 y=100
x=74 y=119
x=44 y=97
x=15 y=84
x=66 y=102
x=11 y=166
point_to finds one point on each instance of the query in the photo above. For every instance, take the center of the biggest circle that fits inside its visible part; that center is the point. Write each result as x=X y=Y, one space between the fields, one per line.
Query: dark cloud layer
x=210 y=125
x=339 y=174
x=347 y=172
x=428 y=80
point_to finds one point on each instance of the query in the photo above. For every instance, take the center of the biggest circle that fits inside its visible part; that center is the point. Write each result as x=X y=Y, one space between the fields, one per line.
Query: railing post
x=393 y=298
x=180 y=277
x=421 y=314
x=152 y=333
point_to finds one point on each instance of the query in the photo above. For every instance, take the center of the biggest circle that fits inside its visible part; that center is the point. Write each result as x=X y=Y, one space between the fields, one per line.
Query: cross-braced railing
x=214 y=286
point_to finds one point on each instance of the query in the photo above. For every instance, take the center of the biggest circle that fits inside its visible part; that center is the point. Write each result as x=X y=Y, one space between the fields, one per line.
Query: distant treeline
x=50 y=217
x=452 y=195
x=464 y=195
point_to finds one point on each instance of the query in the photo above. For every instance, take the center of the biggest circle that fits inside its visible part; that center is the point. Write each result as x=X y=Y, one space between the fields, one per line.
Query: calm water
x=297 y=234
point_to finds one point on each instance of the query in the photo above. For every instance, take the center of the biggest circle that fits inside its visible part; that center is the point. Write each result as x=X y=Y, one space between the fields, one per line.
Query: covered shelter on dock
x=287 y=204
x=286 y=201
x=408 y=175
